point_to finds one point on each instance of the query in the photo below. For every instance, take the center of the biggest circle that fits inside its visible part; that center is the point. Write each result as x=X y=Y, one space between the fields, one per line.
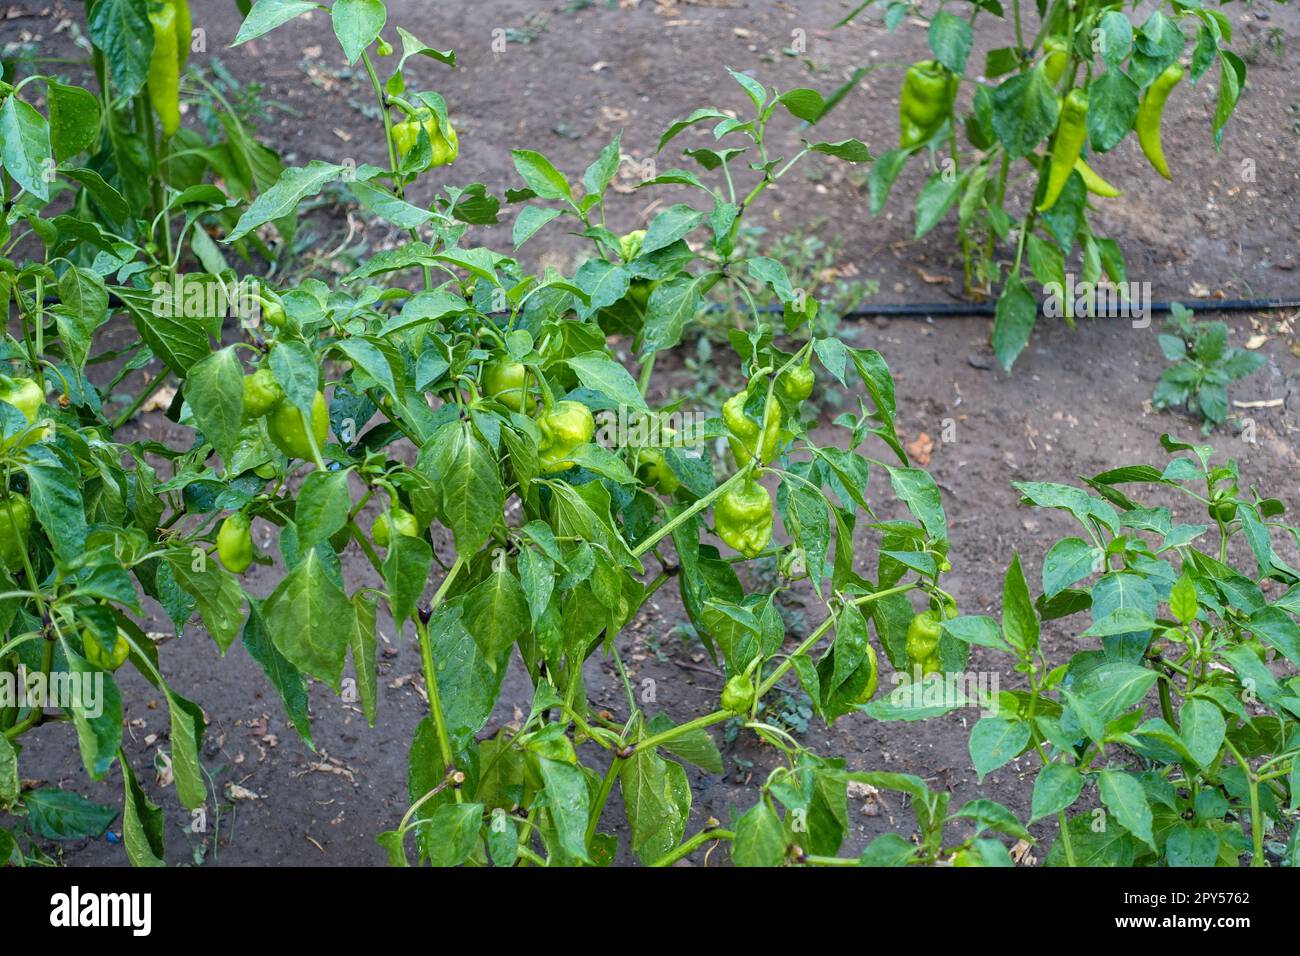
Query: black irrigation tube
x=958 y=310
x=964 y=310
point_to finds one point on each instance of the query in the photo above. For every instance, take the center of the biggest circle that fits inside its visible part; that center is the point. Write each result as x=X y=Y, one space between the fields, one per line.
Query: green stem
x=820 y=632
x=699 y=723
x=606 y=785
x=689 y=513
x=830 y=861
x=530 y=856
x=691 y=845
x=1065 y=838
x=1256 y=815
x=140 y=399
x=435 y=700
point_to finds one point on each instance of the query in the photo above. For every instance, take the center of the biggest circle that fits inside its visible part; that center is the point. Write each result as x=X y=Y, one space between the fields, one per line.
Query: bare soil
x=1077 y=403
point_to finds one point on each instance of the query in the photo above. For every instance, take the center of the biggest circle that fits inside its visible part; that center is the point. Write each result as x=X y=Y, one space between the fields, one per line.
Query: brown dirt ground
x=1076 y=405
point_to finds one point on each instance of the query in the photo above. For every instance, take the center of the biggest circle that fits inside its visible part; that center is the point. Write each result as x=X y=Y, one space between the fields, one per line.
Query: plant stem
x=820 y=632
x=140 y=399
x=708 y=720
x=691 y=845
x=831 y=861
x=689 y=513
x=606 y=785
x=435 y=699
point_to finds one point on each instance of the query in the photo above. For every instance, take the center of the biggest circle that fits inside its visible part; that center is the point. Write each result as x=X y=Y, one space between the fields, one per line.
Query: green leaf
x=604 y=282
x=285 y=678
x=467 y=682
x=310 y=620
x=695 y=746
x=1127 y=801
x=503 y=839
x=976 y=629
x=178 y=340
x=883 y=173
x=121 y=29
x=84 y=308
x=990 y=815
x=1116 y=33
x=1275 y=627
x=934 y=200
x=950 y=39
x=889 y=849
x=472 y=495
x=1107 y=691
x=603 y=168
x=9 y=782
x=142 y=823
x=64 y=815
x=994 y=741
x=760 y=837
x=600 y=373
x=1232 y=80
x=363 y=647
x=1019 y=622
x=1013 y=321
x=1070 y=560
x=496 y=613
x=1191 y=846
x=382 y=203
x=529 y=220
x=807 y=105
x=56 y=500
x=451 y=833
x=675 y=222
x=220 y=598
x=357 y=24
x=541 y=176
x=1182 y=599
x=916 y=488
x=406 y=571
x=1202 y=729
x=74 y=119
x=1056 y=788
x=567 y=804
x=186 y=739
x=322 y=508
x=266 y=15
x=25 y=150
x=1024 y=112
x=98 y=719
x=1112 y=108
x=294 y=185
x=1123 y=620
x=657 y=798
x=849 y=150
x=673 y=304
x=215 y=393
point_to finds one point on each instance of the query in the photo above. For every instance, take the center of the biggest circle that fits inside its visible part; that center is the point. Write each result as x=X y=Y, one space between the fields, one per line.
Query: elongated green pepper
x=164 y=69
x=1071 y=134
x=184 y=31
x=1150 y=113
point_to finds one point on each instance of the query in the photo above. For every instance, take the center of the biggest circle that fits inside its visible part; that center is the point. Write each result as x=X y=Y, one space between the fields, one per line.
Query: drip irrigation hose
x=965 y=310
x=957 y=310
